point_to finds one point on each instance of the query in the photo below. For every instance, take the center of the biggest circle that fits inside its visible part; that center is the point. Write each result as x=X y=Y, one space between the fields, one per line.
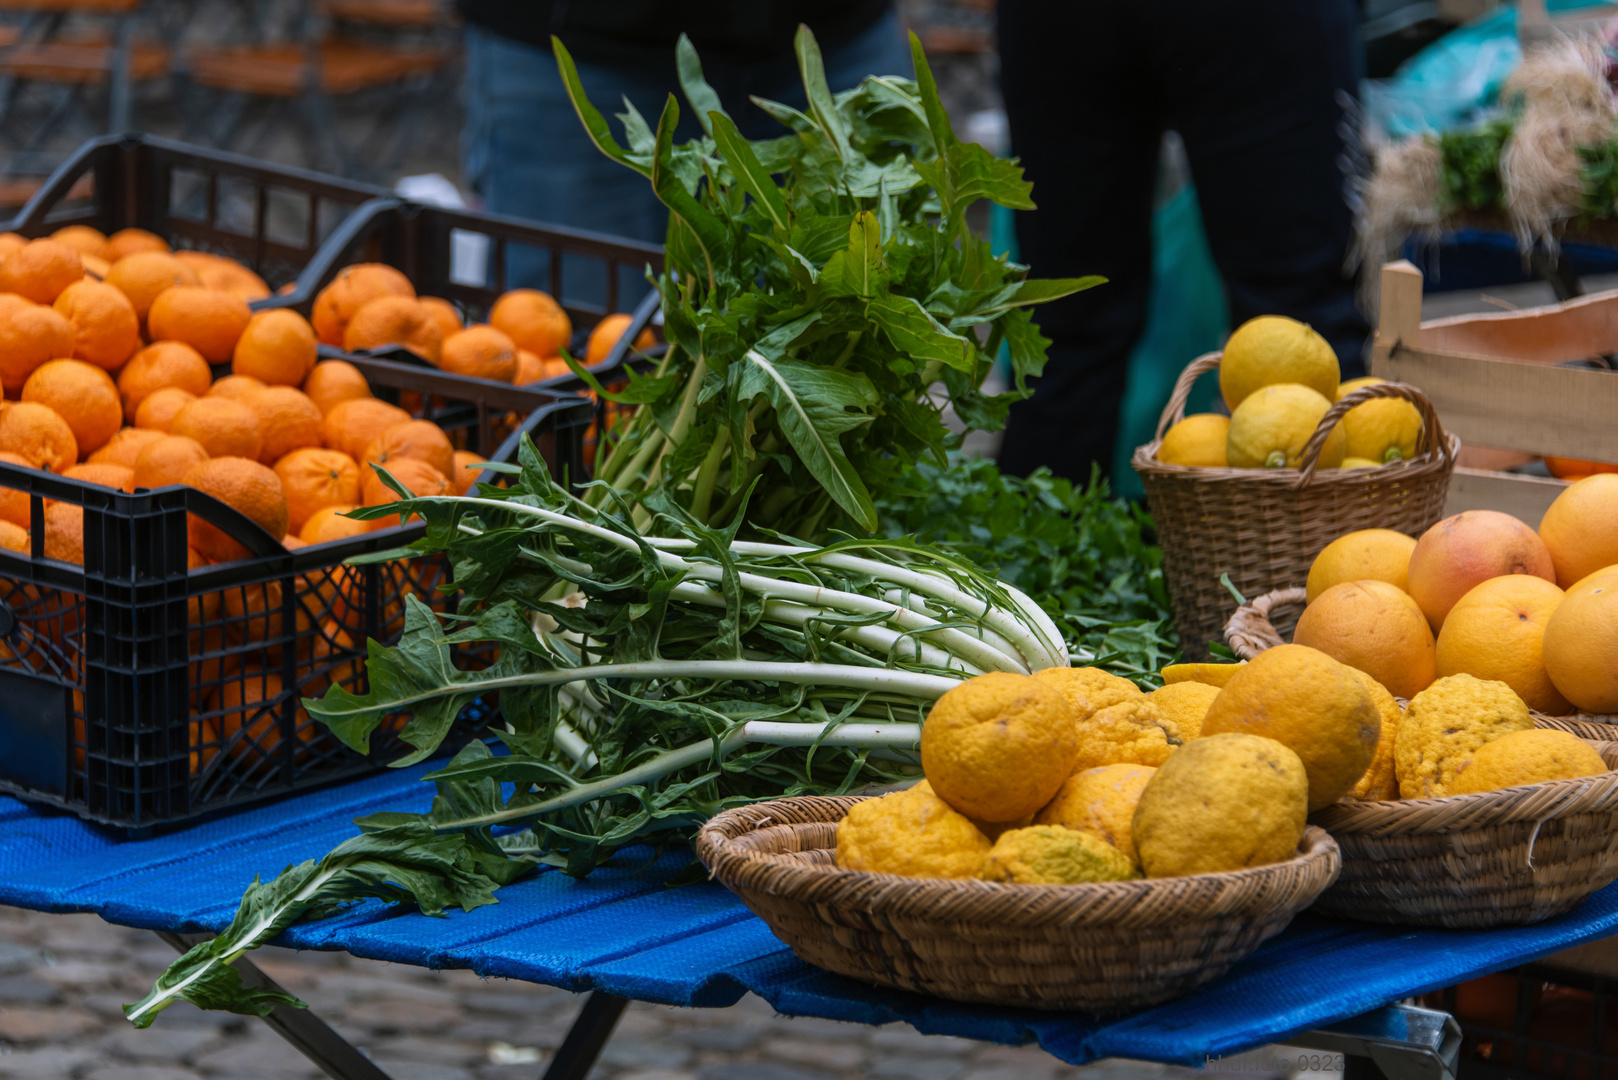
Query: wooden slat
x=1569 y=412
x=1523 y=497
x=1575 y=330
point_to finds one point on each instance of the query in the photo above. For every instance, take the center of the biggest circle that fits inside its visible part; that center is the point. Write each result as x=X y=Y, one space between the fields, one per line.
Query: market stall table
x=623 y=935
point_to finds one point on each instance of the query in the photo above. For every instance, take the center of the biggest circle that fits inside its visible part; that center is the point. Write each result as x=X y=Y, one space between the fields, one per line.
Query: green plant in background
x=1082 y=554
x=1470 y=177
x=1598 y=168
x=818 y=287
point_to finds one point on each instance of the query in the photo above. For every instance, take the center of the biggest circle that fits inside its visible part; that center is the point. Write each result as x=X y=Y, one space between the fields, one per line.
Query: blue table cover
x=623 y=932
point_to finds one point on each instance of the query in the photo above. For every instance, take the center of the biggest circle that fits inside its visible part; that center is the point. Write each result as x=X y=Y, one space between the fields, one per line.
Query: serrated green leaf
x=749 y=172
x=595 y=125
x=914 y=332
x=821 y=105
x=702 y=97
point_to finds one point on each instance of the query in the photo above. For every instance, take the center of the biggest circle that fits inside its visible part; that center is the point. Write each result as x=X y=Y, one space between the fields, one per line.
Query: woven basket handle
x=1174 y=411
x=1432 y=435
x=1250 y=631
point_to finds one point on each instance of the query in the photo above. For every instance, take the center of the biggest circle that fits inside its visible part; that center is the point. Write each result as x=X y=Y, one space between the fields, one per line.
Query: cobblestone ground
x=64 y=977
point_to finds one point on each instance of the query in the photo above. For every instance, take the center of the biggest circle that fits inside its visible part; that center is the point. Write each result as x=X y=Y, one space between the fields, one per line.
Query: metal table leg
x=589 y=1033
x=308 y=1033
x=1400 y=1042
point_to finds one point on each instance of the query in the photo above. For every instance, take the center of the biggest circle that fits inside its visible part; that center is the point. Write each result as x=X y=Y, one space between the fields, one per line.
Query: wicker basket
x=1520 y=855
x=1119 y=945
x=1264 y=527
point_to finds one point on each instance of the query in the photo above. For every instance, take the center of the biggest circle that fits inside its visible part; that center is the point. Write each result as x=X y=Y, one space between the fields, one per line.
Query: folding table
x=621 y=934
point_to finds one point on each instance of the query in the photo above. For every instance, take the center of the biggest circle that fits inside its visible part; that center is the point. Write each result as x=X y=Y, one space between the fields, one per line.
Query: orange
x=606 y=335
x=83 y=395
x=1375 y=627
x=244 y=485
x=1574 y=468
x=226 y=275
x=1580 y=528
x=461 y=477
x=277 y=348
x=209 y=320
x=1363 y=555
x=30 y=334
x=419 y=439
x=161 y=364
x=351 y=426
x=167 y=460
x=240 y=388
x=84 y=239
x=418 y=477
x=124 y=447
x=251 y=704
x=253 y=613
x=444 y=314
x=287 y=420
x=105 y=330
x=328 y=524
x=15 y=538
x=144 y=276
x=95 y=269
x=37 y=435
x=533 y=320
x=292 y=542
x=158 y=409
x=10 y=241
x=1497 y=631
x=14 y=503
x=530 y=368
x=64 y=532
x=482 y=352
x=395 y=321
x=1467 y=549
x=126 y=242
x=315 y=478
x=1579 y=637
x=225 y=428
x=333 y=381
x=40 y=270
x=121 y=477
x=349 y=291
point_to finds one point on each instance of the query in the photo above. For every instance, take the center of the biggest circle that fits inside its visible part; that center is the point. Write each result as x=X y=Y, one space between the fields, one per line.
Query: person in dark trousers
x=1255 y=90
x=524 y=150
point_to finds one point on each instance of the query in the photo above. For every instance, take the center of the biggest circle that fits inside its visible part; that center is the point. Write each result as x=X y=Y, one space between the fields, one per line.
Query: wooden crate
x=1497 y=381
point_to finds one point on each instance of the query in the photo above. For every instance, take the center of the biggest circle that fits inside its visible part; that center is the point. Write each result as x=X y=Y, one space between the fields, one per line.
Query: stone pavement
x=63 y=979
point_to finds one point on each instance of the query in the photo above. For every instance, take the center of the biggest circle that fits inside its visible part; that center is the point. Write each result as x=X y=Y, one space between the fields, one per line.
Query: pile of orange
x=373 y=306
x=1482 y=594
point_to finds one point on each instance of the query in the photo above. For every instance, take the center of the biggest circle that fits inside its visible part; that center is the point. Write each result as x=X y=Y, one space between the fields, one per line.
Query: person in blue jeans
x=525 y=152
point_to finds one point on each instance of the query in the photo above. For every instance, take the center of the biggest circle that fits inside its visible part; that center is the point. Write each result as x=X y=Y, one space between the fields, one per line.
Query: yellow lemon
x=1360 y=463
x=913 y=833
x=1221 y=803
x=1212 y=674
x=1053 y=855
x=1198 y=440
x=1186 y=703
x=1527 y=757
x=1444 y=726
x=1088 y=689
x=1379 y=782
x=998 y=746
x=1379 y=431
x=1135 y=732
x=1100 y=801
x=1271 y=426
x=1309 y=703
x=1362 y=555
x=1274 y=349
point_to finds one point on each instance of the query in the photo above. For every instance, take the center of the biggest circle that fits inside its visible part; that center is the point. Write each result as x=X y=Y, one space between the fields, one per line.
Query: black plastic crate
x=1535 y=1021
x=271 y=218
x=137 y=692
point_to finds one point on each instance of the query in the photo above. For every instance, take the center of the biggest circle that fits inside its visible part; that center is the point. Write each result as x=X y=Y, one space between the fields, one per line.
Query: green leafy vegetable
x=1083 y=555
x=645 y=685
x=817 y=286
x=1470 y=177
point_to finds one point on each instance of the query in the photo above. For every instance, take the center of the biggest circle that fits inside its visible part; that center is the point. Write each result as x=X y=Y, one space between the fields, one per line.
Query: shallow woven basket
x=1117 y=945
x=1521 y=855
x=1264 y=527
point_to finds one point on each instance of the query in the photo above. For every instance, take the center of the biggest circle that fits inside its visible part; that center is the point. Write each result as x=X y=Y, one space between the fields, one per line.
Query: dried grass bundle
x=1565 y=103
x=1400 y=197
